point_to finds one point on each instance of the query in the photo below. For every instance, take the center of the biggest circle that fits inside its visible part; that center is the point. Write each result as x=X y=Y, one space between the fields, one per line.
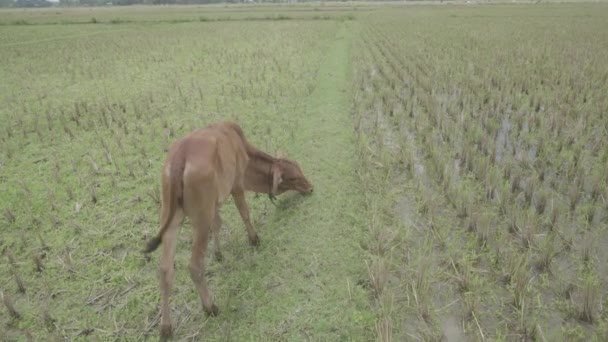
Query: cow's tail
x=175 y=188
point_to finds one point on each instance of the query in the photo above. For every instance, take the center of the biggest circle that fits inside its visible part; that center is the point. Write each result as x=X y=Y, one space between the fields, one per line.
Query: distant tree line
x=25 y=3
x=45 y=3
x=135 y=2
x=63 y=3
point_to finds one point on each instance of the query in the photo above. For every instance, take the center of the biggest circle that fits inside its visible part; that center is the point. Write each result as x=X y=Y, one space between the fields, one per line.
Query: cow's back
x=218 y=151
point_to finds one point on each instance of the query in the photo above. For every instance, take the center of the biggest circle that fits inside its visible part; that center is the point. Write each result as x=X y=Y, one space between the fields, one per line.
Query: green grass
x=94 y=116
x=456 y=153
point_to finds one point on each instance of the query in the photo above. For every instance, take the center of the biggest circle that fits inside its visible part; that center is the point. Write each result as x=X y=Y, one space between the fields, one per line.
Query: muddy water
x=452 y=330
x=502 y=143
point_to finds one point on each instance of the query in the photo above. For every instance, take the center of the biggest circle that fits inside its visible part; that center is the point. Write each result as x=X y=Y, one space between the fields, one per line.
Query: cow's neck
x=258 y=175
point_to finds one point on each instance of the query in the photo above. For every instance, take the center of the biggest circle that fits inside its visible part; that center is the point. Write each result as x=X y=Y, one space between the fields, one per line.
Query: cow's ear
x=281 y=155
x=277 y=178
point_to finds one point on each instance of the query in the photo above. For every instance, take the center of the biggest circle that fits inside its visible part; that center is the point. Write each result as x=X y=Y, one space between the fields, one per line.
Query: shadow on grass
x=291 y=200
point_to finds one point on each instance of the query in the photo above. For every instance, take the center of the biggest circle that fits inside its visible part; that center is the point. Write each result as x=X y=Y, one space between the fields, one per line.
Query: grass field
x=458 y=155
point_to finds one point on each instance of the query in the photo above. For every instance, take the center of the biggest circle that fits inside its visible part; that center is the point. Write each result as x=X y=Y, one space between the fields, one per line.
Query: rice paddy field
x=458 y=154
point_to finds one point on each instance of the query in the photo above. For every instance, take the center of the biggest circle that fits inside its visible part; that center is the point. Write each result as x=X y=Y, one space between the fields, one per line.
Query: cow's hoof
x=255 y=240
x=165 y=332
x=213 y=311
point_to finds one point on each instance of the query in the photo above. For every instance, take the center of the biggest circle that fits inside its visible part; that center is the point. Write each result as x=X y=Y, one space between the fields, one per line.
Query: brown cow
x=200 y=172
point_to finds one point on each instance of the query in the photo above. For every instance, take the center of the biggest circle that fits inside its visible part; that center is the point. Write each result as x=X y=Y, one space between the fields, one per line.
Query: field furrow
x=497 y=221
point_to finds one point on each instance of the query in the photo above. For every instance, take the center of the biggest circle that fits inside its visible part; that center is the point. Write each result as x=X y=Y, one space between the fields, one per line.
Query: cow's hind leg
x=166 y=273
x=217 y=224
x=202 y=225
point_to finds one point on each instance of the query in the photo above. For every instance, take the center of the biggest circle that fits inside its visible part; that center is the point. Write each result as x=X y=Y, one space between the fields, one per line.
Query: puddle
x=410 y=140
x=452 y=330
x=388 y=136
x=501 y=139
x=405 y=209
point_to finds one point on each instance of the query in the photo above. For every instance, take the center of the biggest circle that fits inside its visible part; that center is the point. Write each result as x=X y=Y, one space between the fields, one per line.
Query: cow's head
x=287 y=175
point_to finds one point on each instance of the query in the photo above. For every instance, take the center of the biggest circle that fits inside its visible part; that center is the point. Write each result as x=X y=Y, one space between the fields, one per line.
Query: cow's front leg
x=241 y=204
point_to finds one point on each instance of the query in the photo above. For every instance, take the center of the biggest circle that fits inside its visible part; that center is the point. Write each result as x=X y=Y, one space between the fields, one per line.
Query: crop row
x=510 y=144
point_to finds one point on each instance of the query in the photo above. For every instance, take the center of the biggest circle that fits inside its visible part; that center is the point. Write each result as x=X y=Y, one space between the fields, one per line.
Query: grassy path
x=303 y=283
x=327 y=244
